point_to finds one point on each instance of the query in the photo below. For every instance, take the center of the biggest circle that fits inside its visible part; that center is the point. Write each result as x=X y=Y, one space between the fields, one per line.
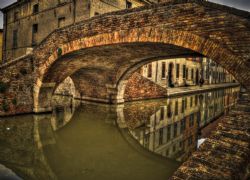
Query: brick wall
x=163 y=23
x=139 y=87
x=16 y=87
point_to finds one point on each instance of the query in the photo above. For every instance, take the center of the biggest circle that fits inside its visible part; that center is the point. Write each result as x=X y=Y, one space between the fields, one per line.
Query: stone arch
x=155 y=35
x=166 y=24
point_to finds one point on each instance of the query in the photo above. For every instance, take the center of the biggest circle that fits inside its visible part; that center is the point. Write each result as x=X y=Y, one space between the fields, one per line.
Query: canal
x=142 y=140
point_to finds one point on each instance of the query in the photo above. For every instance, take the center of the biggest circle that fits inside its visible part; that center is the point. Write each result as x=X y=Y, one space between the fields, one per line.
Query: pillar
x=115 y=95
x=44 y=103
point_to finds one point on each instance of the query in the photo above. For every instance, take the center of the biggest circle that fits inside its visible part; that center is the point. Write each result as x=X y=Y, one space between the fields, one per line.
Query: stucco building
x=28 y=22
x=185 y=72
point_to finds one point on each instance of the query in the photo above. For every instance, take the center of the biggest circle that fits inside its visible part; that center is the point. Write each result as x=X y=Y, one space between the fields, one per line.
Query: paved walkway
x=226 y=153
x=194 y=89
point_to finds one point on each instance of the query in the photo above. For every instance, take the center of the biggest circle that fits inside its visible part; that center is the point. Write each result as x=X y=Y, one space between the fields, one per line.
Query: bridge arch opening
x=137 y=84
x=111 y=58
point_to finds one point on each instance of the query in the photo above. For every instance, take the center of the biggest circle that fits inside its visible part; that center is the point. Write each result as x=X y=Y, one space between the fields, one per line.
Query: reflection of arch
x=163 y=39
x=122 y=82
x=63 y=111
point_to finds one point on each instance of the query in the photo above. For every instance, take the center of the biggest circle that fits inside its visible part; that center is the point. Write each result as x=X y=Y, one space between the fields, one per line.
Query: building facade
x=185 y=72
x=28 y=22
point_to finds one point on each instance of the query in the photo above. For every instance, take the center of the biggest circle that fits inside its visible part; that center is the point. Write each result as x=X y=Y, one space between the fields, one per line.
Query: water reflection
x=88 y=141
x=172 y=127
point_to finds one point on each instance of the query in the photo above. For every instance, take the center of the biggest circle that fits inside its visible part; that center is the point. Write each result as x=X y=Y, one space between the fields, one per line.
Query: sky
x=240 y=4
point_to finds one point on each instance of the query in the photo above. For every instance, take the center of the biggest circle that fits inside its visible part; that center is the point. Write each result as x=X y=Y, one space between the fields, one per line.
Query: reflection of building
x=172 y=130
x=28 y=22
x=185 y=71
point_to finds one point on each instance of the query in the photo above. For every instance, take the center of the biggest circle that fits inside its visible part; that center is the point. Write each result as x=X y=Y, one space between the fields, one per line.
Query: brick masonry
x=171 y=29
x=139 y=87
x=118 y=41
x=16 y=87
x=114 y=43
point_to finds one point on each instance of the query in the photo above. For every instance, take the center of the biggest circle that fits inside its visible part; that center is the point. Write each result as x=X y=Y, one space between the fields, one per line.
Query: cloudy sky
x=240 y=4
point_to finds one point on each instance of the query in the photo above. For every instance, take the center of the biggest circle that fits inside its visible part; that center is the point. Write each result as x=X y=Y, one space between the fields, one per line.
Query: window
x=174 y=148
x=192 y=74
x=182 y=106
x=35 y=28
x=162 y=113
x=177 y=70
x=169 y=133
x=61 y=22
x=184 y=71
x=97 y=13
x=128 y=5
x=15 y=36
x=150 y=71
x=146 y=141
x=191 y=120
x=167 y=152
x=183 y=125
x=176 y=108
x=161 y=136
x=187 y=73
x=16 y=14
x=35 y=8
x=185 y=103
x=163 y=70
x=191 y=101
x=34 y=32
x=196 y=99
x=175 y=129
x=169 y=111
x=207 y=74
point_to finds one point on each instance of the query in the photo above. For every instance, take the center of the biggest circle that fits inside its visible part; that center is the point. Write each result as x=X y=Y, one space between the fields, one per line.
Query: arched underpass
x=100 y=73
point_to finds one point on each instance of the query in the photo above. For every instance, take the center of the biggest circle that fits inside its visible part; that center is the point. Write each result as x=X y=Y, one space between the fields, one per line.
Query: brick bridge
x=101 y=53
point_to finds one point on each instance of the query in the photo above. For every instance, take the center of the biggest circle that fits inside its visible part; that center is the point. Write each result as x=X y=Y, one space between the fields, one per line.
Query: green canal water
x=144 y=140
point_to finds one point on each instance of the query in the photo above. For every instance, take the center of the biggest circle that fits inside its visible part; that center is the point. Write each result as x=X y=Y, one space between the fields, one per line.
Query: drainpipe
x=4 y=38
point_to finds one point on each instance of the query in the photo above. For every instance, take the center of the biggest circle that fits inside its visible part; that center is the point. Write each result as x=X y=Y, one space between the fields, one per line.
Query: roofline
x=12 y=5
x=22 y=2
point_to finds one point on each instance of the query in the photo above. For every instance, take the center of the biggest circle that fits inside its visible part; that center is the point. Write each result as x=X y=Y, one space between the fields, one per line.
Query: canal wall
x=226 y=153
x=16 y=86
x=175 y=92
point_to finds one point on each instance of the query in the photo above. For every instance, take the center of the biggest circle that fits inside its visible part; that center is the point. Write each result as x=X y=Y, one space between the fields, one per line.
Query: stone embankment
x=226 y=153
x=180 y=91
